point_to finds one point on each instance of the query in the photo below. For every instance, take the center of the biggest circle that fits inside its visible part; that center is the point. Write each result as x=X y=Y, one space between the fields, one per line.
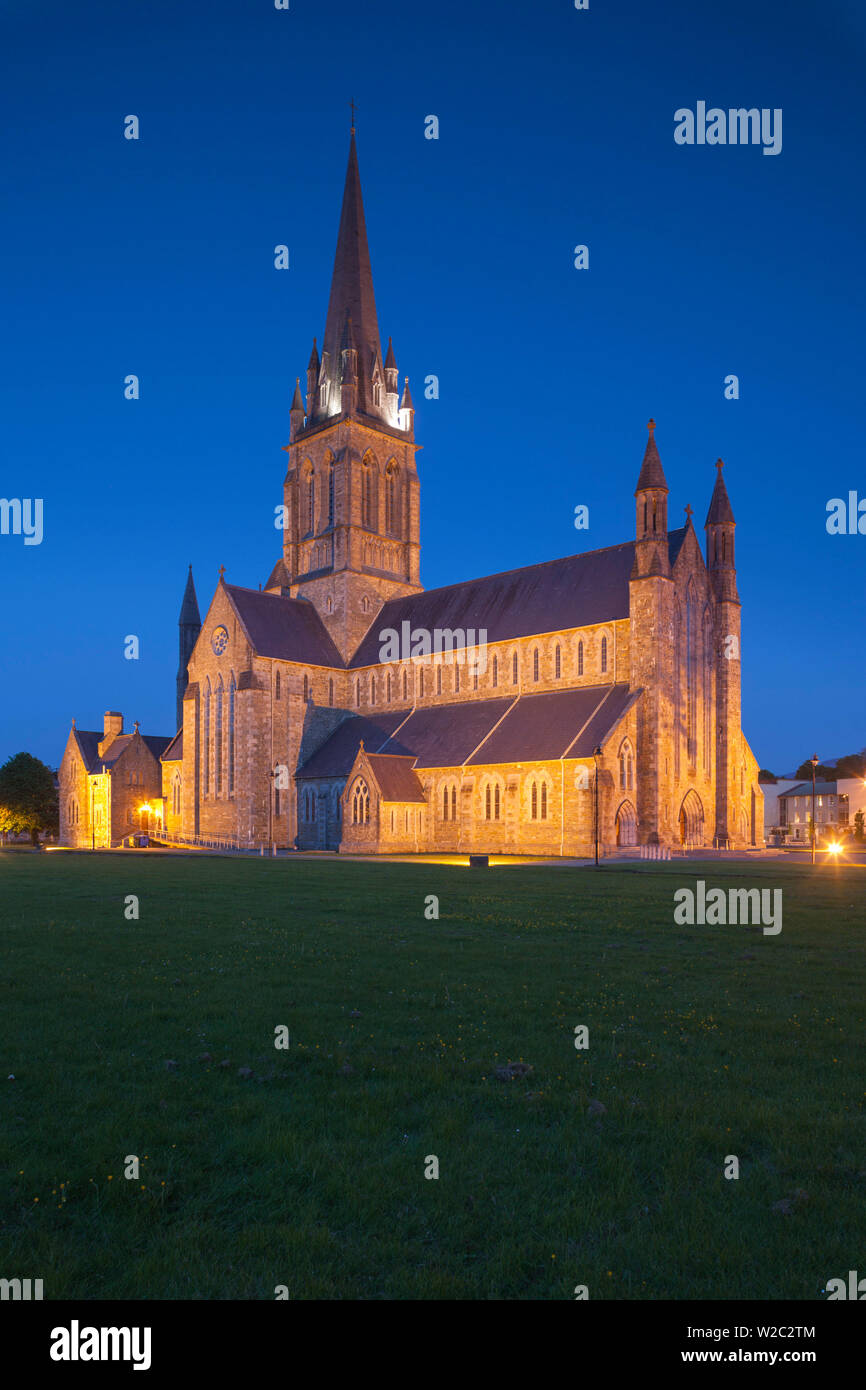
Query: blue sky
x=155 y=257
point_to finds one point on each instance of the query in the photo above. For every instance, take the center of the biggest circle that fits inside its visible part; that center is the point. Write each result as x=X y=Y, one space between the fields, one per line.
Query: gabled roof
x=554 y=596
x=335 y=757
x=805 y=789
x=533 y=728
x=287 y=628
x=174 y=751
x=394 y=777
x=89 y=741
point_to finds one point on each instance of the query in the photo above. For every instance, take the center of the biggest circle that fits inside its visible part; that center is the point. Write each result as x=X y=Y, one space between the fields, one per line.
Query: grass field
x=704 y=1042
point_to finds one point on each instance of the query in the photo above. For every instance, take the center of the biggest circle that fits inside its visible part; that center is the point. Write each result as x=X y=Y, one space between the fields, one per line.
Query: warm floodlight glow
x=834 y=849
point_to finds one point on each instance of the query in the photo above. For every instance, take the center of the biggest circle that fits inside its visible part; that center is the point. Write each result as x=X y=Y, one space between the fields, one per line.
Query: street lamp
x=814 y=761
x=596 y=753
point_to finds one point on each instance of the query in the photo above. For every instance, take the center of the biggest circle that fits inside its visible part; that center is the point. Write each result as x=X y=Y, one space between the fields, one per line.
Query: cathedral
x=588 y=700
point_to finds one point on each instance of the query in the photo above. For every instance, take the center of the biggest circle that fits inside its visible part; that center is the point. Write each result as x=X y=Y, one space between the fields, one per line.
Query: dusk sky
x=156 y=257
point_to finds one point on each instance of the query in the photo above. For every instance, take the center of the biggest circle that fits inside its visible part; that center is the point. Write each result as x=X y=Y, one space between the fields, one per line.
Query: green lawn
x=704 y=1041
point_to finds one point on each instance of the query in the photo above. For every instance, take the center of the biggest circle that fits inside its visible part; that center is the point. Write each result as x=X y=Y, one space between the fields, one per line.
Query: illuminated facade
x=610 y=678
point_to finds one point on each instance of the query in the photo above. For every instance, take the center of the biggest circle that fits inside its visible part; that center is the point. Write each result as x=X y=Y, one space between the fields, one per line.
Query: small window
x=331 y=691
x=357 y=693
x=495 y=671
x=604 y=654
x=372 y=690
x=454 y=802
x=557 y=661
x=580 y=658
x=420 y=683
x=535 y=665
x=438 y=680
x=277 y=686
x=306 y=689
x=388 y=688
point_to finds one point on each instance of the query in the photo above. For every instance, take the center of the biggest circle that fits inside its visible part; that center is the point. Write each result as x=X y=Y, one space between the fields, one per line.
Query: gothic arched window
x=496 y=802
x=206 y=737
x=488 y=802
x=218 y=741
x=330 y=492
x=495 y=671
x=603 y=654
x=357 y=692
x=331 y=691
x=514 y=669
x=534 y=800
x=306 y=689
x=557 y=661
x=580 y=658
x=360 y=803
x=277 y=686
x=232 y=689
x=535 y=664
x=372 y=690
x=367 y=506
x=454 y=801
x=391 y=500
x=406 y=684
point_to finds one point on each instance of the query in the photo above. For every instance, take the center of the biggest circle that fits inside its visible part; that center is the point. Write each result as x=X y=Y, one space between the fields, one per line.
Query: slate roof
x=89 y=741
x=174 y=751
x=805 y=789
x=395 y=778
x=336 y=756
x=554 y=596
x=533 y=728
x=558 y=724
x=288 y=628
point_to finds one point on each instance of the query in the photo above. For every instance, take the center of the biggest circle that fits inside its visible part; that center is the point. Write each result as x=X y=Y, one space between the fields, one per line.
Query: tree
x=28 y=797
x=765 y=776
x=822 y=773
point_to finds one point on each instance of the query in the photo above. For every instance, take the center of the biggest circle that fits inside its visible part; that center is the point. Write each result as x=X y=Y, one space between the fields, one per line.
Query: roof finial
x=222 y=570
x=720 y=465
x=135 y=727
x=354 y=109
x=73 y=723
x=651 y=426
x=688 y=511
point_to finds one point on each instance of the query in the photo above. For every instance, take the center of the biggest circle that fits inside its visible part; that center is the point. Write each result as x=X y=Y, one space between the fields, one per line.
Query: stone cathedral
x=528 y=712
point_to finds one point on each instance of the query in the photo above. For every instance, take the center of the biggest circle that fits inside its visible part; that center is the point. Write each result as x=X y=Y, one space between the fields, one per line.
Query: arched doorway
x=626 y=825
x=691 y=820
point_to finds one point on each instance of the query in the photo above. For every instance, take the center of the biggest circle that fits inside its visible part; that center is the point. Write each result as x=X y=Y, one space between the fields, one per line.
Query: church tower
x=652 y=664
x=351 y=525
x=719 y=529
x=189 y=627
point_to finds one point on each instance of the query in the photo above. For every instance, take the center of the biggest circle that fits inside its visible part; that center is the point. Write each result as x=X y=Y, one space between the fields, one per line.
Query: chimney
x=112 y=726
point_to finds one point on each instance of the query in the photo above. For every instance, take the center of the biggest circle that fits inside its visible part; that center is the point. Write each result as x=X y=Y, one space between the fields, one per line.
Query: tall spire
x=189 y=614
x=651 y=474
x=352 y=297
x=189 y=627
x=721 y=512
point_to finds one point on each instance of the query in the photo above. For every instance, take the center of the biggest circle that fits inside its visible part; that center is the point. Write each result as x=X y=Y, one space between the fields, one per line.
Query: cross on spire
x=689 y=510
x=354 y=109
x=222 y=570
x=651 y=426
